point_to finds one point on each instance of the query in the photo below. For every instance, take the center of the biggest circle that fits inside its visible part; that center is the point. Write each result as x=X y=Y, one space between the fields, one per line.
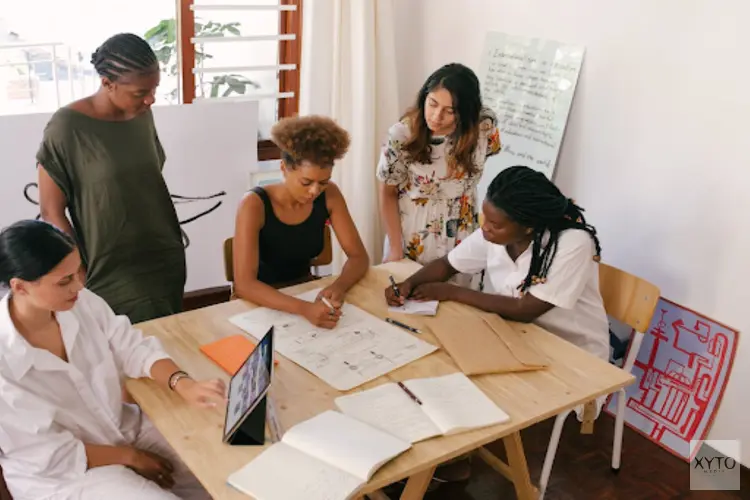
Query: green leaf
x=233 y=30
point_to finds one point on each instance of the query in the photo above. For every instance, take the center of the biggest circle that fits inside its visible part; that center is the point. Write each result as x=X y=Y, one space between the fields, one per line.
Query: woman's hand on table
x=208 y=394
x=333 y=294
x=319 y=314
x=404 y=290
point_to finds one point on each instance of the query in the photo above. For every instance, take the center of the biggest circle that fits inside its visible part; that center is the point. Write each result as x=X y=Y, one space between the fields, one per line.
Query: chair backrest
x=627 y=298
x=325 y=257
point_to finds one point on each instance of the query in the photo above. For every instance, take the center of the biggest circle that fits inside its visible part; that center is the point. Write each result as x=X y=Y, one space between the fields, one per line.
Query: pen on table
x=402 y=325
x=409 y=393
x=395 y=288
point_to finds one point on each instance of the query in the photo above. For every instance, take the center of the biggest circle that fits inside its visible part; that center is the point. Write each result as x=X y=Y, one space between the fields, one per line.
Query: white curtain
x=348 y=72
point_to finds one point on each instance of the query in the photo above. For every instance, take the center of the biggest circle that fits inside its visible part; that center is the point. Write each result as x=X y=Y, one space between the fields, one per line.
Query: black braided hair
x=533 y=201
x=123 y=53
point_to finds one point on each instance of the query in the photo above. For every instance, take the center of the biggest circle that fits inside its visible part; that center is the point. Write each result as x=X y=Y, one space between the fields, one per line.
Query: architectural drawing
x=360 y=348
x=682 y=368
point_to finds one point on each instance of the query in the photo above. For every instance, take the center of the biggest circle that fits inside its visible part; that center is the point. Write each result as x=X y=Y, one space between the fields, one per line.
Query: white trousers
x=117 y=482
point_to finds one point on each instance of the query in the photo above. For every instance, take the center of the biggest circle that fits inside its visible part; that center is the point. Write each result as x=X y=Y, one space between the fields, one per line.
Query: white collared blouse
x=49 y=408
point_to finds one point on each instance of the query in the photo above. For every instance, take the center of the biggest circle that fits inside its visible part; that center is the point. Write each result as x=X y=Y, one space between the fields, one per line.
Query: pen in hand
x=395 y=288
x=326 y=302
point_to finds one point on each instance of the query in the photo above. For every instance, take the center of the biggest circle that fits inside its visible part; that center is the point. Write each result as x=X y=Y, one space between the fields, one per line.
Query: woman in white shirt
x=64 y=430
x=540 y=261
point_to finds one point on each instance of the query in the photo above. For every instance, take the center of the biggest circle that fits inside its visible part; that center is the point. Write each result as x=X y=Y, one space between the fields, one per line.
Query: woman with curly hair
x=280 y=228
x=431 y=165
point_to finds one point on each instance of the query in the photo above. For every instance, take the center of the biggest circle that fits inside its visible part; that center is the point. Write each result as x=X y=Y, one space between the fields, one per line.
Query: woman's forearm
x=354 y=270
x=438 y=270
x=102 y=455
x=265 y=295
x=390 y=215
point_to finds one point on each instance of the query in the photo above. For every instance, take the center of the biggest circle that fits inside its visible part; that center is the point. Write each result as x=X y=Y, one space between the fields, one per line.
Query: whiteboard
x=530 y=84
x=210 y=150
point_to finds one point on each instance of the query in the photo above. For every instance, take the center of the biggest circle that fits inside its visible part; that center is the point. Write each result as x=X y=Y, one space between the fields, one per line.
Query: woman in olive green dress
x=101 y=161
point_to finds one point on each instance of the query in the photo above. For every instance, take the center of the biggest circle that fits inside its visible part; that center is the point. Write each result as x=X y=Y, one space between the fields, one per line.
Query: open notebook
x=449 y=404
x=328 y=457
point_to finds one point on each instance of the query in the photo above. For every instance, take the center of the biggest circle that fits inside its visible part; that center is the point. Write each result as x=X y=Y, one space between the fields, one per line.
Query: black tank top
x=285 y=251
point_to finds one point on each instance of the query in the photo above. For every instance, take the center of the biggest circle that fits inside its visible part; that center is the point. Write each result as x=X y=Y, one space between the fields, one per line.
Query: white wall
x=653 y=145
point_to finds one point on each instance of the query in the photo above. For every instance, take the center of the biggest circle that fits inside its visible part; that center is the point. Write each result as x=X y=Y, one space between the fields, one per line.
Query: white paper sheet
x=387 y=407
x=282 y=473
x=345 y=443
x=455 y=403
x=427 y=308
x=361 y=348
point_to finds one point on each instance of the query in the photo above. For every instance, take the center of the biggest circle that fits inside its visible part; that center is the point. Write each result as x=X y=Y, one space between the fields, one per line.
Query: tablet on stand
x=245 y=421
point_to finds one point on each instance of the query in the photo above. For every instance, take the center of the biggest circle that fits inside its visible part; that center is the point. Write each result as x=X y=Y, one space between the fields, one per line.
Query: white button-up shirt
x=50 y=408
x=572 y=285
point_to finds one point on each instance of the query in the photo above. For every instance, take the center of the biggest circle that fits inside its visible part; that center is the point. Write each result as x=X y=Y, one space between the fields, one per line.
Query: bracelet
x=176 y=377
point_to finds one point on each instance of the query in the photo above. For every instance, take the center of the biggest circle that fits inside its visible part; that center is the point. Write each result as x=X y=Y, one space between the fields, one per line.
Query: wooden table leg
x=519 y=468
x=377 y=495
x=417 y=485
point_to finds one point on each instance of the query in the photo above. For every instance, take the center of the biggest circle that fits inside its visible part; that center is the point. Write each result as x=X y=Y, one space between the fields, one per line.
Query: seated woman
x=64 y=430
x=539 y=257
x=280 y=228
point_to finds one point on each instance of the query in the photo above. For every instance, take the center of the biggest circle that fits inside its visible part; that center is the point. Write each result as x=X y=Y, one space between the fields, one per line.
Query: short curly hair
x=317 y=139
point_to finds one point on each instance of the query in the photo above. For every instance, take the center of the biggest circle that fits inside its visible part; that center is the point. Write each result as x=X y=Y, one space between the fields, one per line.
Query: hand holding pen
x=396 y=294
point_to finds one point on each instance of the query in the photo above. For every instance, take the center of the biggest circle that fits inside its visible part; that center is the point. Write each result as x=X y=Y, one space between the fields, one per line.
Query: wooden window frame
x=290 y=52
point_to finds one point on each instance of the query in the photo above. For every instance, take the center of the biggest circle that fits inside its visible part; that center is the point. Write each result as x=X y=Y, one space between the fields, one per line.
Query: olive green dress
x=122 y=213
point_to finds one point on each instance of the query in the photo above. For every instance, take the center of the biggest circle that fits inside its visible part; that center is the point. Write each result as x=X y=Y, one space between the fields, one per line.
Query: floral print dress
x=438 y=208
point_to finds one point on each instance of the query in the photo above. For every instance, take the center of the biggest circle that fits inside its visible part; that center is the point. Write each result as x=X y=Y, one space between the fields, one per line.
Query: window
x=208 y=49
x=46 y=47
x=243 y=51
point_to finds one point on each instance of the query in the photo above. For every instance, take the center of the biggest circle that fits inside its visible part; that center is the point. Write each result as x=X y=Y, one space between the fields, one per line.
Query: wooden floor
x=582 y=469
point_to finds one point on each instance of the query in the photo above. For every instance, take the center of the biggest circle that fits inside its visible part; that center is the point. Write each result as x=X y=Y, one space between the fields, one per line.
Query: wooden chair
x=325 y=258
x=632 y=301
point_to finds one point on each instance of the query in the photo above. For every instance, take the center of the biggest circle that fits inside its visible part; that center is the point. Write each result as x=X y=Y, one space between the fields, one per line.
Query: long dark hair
x=533 y=201
x=463 y=86
x=30 y=249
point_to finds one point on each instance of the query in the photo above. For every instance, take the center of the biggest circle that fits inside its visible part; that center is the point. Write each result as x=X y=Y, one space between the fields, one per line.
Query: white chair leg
x=619 y=425
x=554 y=440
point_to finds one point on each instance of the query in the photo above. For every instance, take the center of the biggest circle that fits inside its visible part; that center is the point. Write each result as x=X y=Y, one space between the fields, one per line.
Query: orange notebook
x=230 y=352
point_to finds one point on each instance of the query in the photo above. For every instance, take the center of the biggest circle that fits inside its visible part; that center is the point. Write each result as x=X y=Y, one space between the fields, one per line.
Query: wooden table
x=573 y=377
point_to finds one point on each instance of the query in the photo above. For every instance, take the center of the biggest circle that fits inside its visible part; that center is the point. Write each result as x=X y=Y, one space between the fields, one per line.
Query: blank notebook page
x=346 y=443
x=283 y=473
x=455 y=403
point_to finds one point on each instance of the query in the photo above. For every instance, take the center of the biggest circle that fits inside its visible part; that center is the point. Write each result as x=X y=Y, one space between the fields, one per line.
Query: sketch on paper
x=681 y=371
x=31 y=193
x=361 y=347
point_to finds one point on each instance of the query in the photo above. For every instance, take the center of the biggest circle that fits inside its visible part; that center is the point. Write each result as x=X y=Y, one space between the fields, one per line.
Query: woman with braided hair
x=101 y=161
x=540 y=260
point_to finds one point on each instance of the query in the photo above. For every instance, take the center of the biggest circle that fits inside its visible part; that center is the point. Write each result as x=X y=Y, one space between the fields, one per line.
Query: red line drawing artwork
x=681 y=371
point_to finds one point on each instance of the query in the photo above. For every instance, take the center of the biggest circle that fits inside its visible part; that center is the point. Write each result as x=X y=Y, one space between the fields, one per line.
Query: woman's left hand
x=209 y=394
x=434 y=291
x=334 y=295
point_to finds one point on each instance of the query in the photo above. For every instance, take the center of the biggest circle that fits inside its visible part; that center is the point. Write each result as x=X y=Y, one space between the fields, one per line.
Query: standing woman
x=101 y=160
x=431 y=166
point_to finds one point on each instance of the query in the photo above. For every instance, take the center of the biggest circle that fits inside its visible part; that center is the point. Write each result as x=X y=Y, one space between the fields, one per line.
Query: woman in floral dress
x=431 y=165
